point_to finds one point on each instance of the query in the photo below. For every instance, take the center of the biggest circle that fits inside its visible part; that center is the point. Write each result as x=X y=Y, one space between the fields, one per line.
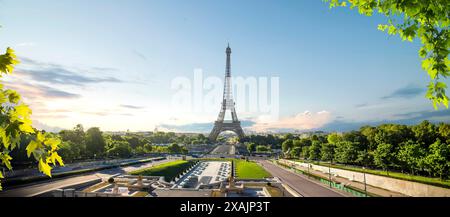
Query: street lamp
x=309 y=165
x=365 y=184
x=329 y=172
x=364 y=173
x=329 y=166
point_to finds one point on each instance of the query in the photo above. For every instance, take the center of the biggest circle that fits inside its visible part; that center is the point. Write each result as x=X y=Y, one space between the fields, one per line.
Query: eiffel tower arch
x=228 y=104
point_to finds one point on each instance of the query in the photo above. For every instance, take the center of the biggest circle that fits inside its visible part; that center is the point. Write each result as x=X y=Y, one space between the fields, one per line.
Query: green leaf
x=7 y=61
x=6 y=160
x=53 y=143
x=22 y=110
x=5 y=138
x=429 y=22
x=45 y=168
x=382 y=27
x=440 y=85
x=56 y=158
x=13 y=96
x=40 y=137
x=445 y=102
x=32 y=146
x=422 y=52
x=392 y=30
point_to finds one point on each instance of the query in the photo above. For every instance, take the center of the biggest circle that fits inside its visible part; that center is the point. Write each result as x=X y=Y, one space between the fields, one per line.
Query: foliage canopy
x=427 y=20
x=15 y=124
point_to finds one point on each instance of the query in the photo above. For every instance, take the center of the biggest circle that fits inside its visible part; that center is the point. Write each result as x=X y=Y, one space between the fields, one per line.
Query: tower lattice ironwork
x=228 y=104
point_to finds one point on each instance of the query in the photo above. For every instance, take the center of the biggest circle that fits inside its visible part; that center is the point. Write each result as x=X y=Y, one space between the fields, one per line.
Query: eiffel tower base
x=224 y=126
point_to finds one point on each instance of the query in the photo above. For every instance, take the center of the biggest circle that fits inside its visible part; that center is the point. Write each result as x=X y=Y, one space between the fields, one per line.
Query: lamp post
x=329 y=166
x=365 y=185
x=329 y=173
x=309 y=165
x=364 y=173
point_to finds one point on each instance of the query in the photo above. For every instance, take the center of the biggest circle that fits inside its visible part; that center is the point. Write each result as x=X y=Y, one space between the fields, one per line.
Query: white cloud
x=302 y=121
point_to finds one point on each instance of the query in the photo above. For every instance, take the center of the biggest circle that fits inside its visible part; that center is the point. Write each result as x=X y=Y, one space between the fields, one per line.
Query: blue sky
x=110 y=63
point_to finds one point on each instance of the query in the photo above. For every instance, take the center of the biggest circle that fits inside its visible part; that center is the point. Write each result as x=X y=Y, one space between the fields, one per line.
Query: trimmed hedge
x=169 y=170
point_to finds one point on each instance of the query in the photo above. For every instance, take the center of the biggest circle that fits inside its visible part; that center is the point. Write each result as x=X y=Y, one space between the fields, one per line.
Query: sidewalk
x=35 y=176
x=357 y=185
x=11 y=174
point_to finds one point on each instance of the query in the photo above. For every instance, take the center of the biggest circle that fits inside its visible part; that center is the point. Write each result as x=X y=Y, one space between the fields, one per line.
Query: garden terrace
x=169 y=170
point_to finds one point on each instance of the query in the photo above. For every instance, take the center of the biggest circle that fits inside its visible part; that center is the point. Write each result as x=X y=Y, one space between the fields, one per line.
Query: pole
x=329 y=166
x=364 y=170
x=365 y=184
x=329 y=172
x=309 y=165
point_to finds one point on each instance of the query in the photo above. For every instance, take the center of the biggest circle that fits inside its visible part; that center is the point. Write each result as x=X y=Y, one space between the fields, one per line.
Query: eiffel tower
x=227 y=104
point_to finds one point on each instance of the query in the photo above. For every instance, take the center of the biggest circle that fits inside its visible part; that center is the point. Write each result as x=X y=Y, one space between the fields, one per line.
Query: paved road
x=34 y=189
x=222 y=149
x=31 y=172
x=303 y=186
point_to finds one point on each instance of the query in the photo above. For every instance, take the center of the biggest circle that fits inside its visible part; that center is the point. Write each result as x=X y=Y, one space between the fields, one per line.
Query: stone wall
x=73 y=193
x=409 y=188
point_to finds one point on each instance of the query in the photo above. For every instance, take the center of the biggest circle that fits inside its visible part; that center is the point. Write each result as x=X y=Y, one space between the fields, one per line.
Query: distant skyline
x=110 y=64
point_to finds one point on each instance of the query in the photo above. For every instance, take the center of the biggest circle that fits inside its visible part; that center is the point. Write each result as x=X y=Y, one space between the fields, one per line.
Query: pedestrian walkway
x=301 y=184
x=353 y=184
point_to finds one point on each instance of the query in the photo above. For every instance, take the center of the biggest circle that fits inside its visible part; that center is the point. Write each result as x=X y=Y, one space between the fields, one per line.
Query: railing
x=336 y=185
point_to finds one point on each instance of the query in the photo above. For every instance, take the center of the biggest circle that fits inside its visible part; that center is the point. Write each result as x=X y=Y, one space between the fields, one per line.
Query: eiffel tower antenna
x=227 y=105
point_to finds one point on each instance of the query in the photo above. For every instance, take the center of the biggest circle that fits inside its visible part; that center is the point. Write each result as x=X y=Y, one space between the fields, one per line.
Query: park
x=314 y=100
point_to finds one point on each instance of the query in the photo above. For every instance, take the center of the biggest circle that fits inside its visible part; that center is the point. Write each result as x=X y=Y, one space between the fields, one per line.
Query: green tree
x=76 y=135
x=334 y=138
x=346 y=152
x=365 y=158
x=74 y=143
x=369 y=133
x=383 y=156
x=302 y=142
x=70 y=151
x=288 y=136
x=393 y=134
x=174 y=148
x=287 y=145
x=444 y=132
x=15 y=122
x=262 y=148
x=95 y=143
x=355 y=136
x=148 y=148
x=305 y=152
x=425 y=133
x=133 y=140
x=120 y=149
x=409 y=155
x=438 y=158
x=295 y=152
x=251 y=147
x=427 y=20
x=327 y=152
x=314 y=150
x=117 y=137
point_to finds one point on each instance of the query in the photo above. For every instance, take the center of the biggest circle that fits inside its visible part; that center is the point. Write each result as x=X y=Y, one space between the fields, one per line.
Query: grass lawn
x=245 y=169
x=397 y=175
x=249 y=170
x=169 y=170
